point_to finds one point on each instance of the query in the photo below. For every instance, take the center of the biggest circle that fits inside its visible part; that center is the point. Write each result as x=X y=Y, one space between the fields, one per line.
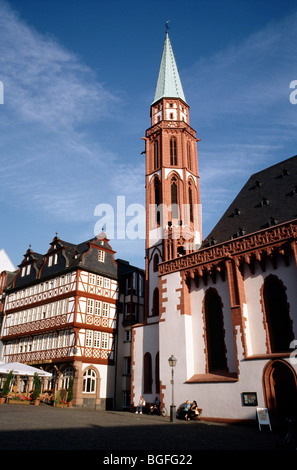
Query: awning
x=21 y=369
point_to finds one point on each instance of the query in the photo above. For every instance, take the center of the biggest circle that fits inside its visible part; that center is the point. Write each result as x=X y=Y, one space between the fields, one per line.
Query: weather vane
x=166 y=25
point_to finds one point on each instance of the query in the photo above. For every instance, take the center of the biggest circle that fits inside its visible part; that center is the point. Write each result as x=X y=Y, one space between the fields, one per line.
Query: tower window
x=101 y=256
x=155 y=311
x=156 y=155
x=189 y=157
x=173 y=154
x=191 y=204
x=155 y=262
x=174 y=207
x=157 y=200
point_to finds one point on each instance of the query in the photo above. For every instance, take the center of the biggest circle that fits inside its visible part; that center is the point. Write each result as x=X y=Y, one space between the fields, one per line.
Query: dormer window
x=101 y=255
x=26 y=270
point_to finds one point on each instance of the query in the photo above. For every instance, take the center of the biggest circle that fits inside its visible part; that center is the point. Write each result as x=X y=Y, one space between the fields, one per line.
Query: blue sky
x=79 y=78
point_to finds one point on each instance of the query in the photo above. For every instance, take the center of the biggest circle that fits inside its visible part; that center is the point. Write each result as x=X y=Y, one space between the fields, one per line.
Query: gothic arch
x=175 y=191
x=280 y=390
x=147 y=373
x=173 y=151
x=156 y=154
x=276 y=315
x=155 y=197
x=156 y=261
x=155 y=309
x=189 y=155
x=191 y=180
x=191 y=198
x=155 y=251
x=214 y=332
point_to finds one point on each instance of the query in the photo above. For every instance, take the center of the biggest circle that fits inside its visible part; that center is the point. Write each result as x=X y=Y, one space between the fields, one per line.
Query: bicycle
x=162 y=411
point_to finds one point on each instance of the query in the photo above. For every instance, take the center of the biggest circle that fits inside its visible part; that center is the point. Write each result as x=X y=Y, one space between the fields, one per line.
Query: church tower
x=173 y=220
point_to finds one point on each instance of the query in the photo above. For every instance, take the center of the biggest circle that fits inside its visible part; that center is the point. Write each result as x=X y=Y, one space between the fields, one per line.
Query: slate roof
x=70 y=256
x=268 y=198
x=125 y=268
x=168 y=83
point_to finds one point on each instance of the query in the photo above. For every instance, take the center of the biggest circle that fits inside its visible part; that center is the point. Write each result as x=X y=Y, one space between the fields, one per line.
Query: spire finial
x=167 y=25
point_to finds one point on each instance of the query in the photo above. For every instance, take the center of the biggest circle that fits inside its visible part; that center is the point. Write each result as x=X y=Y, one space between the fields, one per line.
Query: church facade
x=223 y=306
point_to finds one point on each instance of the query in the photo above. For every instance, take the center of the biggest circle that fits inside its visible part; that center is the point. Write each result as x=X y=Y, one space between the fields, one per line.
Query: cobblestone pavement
x=48 y=428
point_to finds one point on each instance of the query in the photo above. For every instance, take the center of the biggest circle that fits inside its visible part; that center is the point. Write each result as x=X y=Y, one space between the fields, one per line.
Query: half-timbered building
x=60 y=314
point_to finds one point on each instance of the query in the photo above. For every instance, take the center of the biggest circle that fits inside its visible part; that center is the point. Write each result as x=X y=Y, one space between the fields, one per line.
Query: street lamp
x=172 y=363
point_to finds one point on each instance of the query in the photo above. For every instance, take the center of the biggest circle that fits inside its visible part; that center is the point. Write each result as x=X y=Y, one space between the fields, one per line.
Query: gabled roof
x=268 y=198
x=169 y=83
x=69 y=256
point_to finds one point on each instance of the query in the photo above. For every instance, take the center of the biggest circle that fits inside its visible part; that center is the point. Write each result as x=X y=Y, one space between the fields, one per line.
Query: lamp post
x=172 y=363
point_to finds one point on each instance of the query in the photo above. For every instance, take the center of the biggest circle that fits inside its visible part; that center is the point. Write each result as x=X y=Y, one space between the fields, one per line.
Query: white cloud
x=44 y=82
x=52 y=159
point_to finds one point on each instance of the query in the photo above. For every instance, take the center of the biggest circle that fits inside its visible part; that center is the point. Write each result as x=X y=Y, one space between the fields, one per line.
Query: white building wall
x=253 y=283
x=144 y=339
x=219 y=399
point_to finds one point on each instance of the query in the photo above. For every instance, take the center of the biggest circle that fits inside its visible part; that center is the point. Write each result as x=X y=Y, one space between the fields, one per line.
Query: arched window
x=173 y=154
x=191 y=203
x=216 y=352
x=156 y=155
x=174 y=201
x=189 y=156
x=89 y=381
x=157 y=199
x=155 y=262
x=147 y=373
x=277 y=314
x=156 y=302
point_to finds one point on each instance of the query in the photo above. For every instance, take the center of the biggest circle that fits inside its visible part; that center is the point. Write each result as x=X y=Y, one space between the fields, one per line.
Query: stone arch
x=280 y=390
x=276 y=313
x=214 y=332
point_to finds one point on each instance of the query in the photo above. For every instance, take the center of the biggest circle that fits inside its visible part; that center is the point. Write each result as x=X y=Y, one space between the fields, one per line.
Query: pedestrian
x=140 y=405
x=186 y=410
x=194 y=413
x=155 y=406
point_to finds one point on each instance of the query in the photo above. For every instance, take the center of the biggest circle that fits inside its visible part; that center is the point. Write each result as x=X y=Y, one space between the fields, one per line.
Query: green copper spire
x=168 y=84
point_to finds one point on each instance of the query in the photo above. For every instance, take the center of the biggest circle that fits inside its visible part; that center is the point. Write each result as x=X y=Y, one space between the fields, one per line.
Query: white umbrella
x=21 y=369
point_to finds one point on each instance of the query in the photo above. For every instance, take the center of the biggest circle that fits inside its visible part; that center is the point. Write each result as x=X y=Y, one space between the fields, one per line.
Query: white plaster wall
x=256 y=337
x=219 y=400
x=145 y=339
x=105 y=374
x=197 y=299
x=175 y=339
